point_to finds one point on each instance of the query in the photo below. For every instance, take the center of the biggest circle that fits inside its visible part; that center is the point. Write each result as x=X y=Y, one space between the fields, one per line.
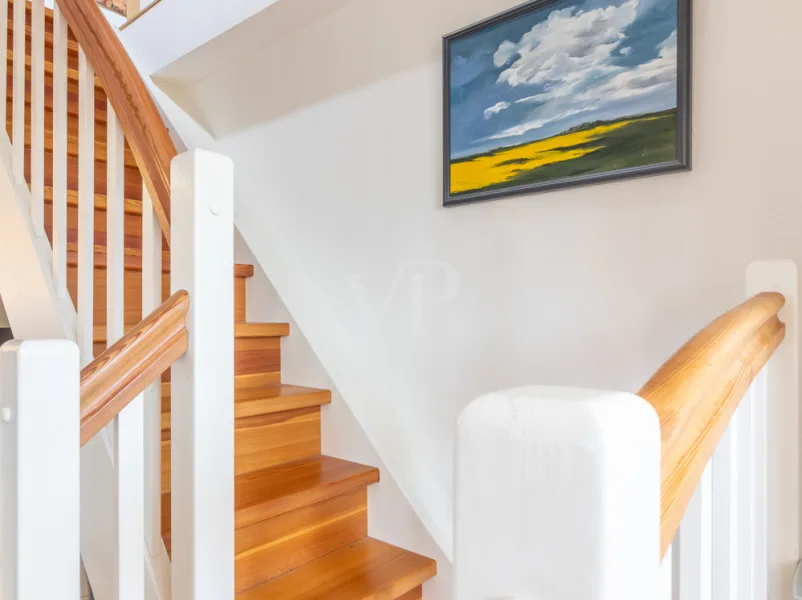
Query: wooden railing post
x=202 y=404
x=40 y=489
x=557 y=496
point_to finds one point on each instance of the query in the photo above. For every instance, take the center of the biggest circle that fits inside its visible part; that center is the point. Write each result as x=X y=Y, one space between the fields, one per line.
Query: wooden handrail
x=124 y=370
x=144 y=128
x=697 y=391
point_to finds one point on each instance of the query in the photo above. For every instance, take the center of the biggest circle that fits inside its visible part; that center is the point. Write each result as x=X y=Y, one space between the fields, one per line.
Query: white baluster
x=18 y=110
x=693 y=544
x=128 y=426
x=59 y=188
x=726 y=465
x=202 y=253
x=38 y=116
x=40 y=449
x=86 y=206
x=777 y=434
x=151 y=299
x=745 y=509
x=4 y=65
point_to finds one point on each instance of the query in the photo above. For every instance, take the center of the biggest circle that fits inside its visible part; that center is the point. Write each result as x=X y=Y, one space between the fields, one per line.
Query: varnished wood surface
x=123 y=371
x=140 y=119
x=697 y=391
x=368 y=569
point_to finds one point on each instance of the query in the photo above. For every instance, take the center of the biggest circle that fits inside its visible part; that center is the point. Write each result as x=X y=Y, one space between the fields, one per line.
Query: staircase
x=301 y=517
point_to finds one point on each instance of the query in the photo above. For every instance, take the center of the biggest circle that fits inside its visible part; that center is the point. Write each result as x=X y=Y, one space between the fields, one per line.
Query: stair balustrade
x=687 y=490
x=106 y=387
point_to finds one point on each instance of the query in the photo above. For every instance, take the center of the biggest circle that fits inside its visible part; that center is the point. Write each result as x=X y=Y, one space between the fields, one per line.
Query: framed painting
x=560 y=93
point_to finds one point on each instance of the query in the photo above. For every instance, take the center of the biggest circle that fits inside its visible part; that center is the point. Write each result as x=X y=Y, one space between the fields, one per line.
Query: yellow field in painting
x=501 y=166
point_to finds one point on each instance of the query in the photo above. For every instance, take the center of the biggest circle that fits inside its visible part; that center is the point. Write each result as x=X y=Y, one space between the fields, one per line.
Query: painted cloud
x=571 y=62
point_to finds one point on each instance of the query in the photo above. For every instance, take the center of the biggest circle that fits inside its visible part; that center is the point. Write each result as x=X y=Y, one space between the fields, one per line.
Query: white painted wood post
x=86 y=207
x=202 y=255
x=59 y=188
x=38 y=116
x=777 y=544
x=151 y=299
x=557 y=496
x=40 y=449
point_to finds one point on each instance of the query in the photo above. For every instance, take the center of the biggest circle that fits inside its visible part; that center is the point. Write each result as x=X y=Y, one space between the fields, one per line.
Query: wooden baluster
x=202 y=255
x=151 y=300
x=38 y=116
x=18 y=108
x=128 y=426
x=86 y=206
x=39 y=387
x=60 y=151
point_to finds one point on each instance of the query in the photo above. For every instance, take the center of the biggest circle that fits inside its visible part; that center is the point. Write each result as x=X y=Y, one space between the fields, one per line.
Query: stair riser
x=416 y=594
x=262 y=442
x=278 y=545
x=72 y=99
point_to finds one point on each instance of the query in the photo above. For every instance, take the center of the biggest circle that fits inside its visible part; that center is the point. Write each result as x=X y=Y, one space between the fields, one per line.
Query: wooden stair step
x=261 y=401
x=72 y=74
x=133 y=262
x=366 y=570
x=261 y=495
x=257 y=330
x=72 y=99
x=132 y=207
x=275 y=328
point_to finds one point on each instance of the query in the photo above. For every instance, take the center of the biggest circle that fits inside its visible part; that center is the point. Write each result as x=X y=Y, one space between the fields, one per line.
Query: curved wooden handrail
x=697 y=391
x=144 y=128
x=125 y=369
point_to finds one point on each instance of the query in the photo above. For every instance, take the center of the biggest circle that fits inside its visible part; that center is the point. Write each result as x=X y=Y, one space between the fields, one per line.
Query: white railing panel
x=760 y=547
x=557 y=496
x=40 y=450
x=151 y=299
x=86 y=206
x=59 y=188
x=779 y=517
x=38 y=116
x=18 y=82
x=129 y=424
x=202 y=405
x=745 y=492
x=693 y=545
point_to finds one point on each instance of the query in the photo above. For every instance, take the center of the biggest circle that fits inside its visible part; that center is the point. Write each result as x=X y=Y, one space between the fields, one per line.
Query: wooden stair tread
x=254 y=330
x=262 y=400
x=366 y=570
x=264 y=494
x=132 y=207
x=270 y=329
x=72 y=74
x=133 y=262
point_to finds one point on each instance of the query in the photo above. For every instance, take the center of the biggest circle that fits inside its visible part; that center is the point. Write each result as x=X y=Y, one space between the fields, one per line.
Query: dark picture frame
x=681 y=162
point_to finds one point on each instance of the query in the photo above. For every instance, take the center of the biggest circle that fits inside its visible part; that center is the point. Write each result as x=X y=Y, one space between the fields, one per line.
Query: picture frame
x=517 y=165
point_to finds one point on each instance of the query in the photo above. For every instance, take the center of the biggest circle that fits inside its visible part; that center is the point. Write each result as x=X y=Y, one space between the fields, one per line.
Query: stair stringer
x=36 y=311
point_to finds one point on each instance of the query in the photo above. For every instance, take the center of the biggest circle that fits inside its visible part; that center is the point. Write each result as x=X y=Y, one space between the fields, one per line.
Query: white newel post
x=557 y=496
x=202 y=255
x=40 y=491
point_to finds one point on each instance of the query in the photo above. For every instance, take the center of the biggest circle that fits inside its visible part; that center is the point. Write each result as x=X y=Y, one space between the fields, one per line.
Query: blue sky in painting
x=561 y=65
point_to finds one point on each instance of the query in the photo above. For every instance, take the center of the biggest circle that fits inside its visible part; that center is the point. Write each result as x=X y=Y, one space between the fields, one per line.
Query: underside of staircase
x=301 y=517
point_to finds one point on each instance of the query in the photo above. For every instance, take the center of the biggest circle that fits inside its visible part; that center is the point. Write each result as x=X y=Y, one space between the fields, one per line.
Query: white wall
x=414 y=310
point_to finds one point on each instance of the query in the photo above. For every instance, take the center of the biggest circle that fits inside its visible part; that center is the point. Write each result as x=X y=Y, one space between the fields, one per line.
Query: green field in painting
x=592 y=148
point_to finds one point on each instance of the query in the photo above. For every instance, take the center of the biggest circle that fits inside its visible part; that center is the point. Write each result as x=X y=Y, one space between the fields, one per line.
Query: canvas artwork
x=118 y=6
x=558 y=93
